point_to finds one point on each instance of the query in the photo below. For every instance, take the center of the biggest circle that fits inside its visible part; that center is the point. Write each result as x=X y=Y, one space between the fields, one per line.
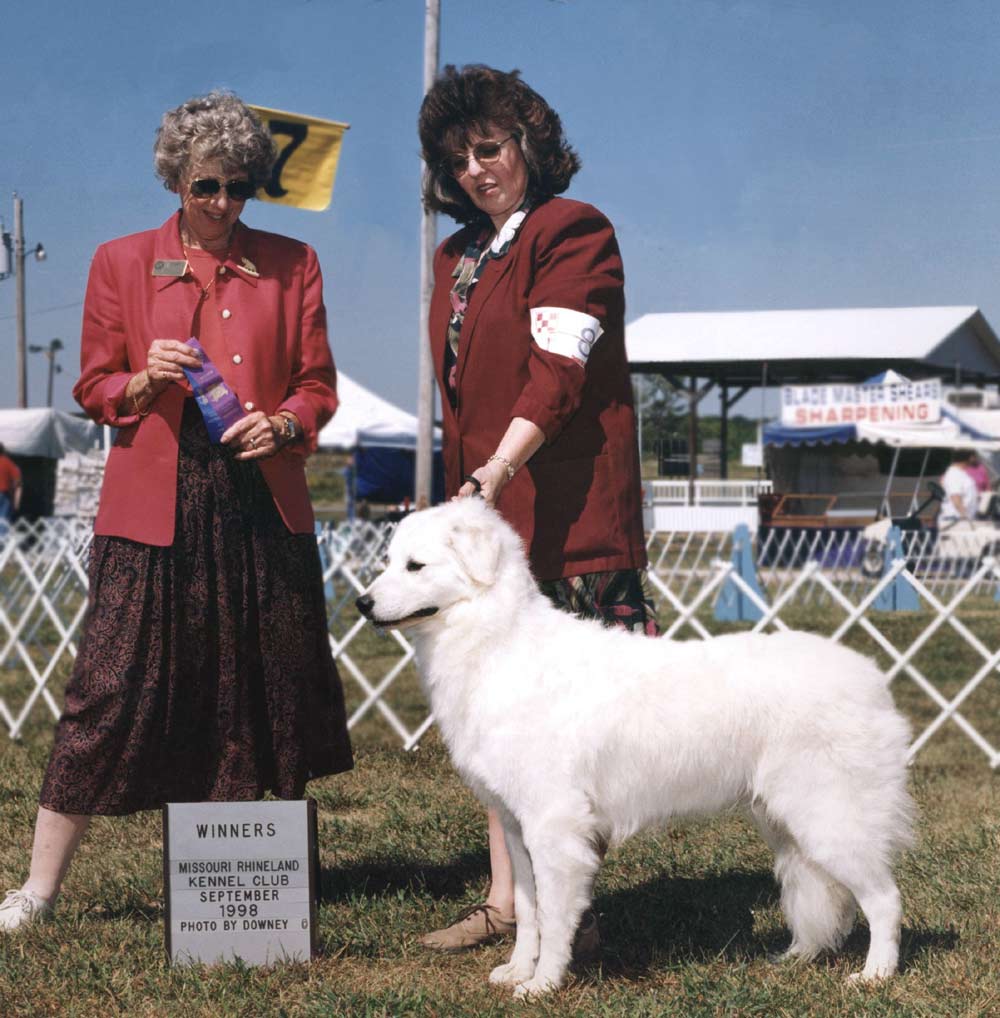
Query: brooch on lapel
x=248 y=267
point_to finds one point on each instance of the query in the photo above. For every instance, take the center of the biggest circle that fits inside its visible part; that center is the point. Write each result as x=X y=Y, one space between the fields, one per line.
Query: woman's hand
x=492 y=478
x=254 y=437
x=165 y=362
x=520 y=442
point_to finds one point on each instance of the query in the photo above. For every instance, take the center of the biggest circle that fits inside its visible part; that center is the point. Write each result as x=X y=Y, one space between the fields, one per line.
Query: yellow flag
x=308 y=153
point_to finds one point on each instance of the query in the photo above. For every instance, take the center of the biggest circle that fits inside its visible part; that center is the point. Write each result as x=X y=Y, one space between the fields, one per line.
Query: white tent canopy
x=944 y=434
x=362 y=418
x=43 y=431
x=951 y=431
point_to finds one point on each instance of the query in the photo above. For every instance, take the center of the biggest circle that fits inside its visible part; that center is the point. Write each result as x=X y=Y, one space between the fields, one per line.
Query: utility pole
x=428 y=240
x=15 y=246
x=50 y=351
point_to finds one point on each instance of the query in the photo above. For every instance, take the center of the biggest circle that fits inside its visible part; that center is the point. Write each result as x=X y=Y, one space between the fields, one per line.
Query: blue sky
x=752 y=154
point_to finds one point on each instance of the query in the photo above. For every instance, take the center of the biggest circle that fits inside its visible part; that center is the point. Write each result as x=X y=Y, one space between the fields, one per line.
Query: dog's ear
x=477 y=548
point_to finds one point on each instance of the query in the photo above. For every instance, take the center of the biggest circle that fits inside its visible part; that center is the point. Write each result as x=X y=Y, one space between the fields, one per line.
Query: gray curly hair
x=218 y=126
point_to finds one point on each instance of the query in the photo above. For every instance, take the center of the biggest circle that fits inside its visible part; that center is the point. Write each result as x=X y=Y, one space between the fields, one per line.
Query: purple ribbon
x=218 y=404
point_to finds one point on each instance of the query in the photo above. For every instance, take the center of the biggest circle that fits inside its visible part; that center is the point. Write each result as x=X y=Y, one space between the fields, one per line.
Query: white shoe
x=22 y=908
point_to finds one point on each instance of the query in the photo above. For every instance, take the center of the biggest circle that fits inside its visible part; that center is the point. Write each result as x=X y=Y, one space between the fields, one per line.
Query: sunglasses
x=484 y=153
x=237 y=190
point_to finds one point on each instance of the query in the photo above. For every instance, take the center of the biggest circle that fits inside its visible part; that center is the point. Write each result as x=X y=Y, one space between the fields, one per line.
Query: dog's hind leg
x=521 y=966
x=846 y=857
x=565 y=863
x=881 y=904
x=820 y=910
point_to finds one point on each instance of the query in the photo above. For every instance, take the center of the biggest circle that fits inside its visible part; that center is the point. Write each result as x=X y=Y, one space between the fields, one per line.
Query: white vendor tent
x=364 y=419
x=383 y=440
x=42 y=440
x=46 y=432
x=945 y=430
x=948 y=433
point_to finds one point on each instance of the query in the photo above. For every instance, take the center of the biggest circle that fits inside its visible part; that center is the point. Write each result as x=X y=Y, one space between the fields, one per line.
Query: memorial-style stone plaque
x=240 y=881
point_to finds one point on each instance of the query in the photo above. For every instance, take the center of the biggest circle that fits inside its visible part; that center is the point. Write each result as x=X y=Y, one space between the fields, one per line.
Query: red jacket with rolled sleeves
x=273 y=325
x=577 y=503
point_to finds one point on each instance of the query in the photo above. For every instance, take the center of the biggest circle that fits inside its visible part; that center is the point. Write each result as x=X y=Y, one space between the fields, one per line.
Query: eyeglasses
x=484 y=153
x=237 y=190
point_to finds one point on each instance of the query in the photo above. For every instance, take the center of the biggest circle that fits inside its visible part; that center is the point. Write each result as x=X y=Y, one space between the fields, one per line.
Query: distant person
x=205 y=670
x=961 y=491
x=978 y=471
x=10 y=486
x=527 y=332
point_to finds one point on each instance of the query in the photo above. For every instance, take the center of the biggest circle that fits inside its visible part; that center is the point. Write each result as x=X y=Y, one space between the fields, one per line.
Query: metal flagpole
x=428 y=238
x=22 y=330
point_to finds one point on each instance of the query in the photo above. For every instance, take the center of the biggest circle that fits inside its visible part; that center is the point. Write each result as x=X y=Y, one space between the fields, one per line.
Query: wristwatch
x=289 y=429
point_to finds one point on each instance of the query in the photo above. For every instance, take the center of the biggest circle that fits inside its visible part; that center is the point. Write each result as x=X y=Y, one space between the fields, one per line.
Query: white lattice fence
x=351 y=555
x=43 y=588
x=826 y=572
x=43 y=595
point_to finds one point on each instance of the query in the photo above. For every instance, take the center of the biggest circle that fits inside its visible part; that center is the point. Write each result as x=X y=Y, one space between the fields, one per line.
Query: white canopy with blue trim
x=950 y=432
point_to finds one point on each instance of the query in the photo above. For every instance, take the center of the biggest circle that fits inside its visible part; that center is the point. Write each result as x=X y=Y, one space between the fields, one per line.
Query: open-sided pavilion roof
x=751 y=348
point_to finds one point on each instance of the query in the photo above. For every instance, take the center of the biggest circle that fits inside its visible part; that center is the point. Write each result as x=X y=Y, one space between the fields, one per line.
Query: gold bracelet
x=135 y=402
x=506 y=462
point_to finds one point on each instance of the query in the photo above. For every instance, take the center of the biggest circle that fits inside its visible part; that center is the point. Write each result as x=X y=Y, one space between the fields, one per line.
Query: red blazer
x=273 y=322
x=577 y=503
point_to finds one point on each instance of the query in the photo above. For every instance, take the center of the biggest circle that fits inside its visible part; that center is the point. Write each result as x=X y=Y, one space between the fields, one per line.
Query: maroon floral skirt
x=205 y=670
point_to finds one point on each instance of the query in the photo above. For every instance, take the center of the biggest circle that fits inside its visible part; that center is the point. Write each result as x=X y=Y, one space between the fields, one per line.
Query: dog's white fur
x=581 y=735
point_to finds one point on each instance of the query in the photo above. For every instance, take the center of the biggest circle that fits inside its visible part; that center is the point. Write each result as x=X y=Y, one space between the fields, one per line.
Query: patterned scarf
x=468 y=271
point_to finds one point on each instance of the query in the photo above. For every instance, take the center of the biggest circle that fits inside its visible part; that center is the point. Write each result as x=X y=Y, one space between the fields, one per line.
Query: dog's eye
x=414 y=567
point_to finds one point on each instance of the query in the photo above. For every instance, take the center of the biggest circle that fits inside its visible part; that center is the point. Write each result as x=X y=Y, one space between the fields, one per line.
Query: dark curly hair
x=472 y=101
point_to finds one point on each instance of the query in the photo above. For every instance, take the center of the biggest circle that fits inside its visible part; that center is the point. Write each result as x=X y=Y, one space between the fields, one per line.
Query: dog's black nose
x=365 y=604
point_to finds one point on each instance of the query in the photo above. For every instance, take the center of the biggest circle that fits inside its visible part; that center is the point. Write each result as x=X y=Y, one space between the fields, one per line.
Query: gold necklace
x=211 y=282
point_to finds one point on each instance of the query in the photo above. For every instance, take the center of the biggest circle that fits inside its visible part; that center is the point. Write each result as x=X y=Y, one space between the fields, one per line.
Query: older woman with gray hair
x=205 y=669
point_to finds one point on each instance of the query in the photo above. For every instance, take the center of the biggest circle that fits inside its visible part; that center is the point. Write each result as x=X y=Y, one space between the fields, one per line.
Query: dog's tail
x=820 y=911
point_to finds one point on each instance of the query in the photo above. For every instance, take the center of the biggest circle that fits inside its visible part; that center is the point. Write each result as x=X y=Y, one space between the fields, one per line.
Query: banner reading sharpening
x=308 y=154
x=902 y=403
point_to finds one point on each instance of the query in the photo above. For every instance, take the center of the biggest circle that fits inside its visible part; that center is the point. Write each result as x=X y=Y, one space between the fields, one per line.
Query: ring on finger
x=253 y=442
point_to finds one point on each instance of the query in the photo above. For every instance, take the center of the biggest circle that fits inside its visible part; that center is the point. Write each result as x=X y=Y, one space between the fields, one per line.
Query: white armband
x=565 y=332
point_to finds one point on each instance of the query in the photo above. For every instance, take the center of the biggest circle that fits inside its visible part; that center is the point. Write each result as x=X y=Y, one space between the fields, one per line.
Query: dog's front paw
x=867 y=978
x=536 y=986
x=512 y=972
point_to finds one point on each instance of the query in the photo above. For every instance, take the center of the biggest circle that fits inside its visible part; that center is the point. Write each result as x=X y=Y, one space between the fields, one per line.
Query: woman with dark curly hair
x=205 y=669
x=527 y=328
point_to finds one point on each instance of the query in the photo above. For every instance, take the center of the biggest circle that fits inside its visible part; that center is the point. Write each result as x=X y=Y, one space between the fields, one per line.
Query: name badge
x=170 y=267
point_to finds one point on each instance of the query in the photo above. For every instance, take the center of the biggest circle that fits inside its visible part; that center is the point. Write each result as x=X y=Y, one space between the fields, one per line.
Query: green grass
x=325 y=477
x=688 y=915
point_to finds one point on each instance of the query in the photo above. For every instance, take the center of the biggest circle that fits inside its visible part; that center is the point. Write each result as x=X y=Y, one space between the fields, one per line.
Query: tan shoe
x=587 y=942
x=480 y=924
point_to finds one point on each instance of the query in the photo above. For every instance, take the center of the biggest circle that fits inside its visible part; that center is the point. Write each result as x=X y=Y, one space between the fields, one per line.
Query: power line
x=45 y=311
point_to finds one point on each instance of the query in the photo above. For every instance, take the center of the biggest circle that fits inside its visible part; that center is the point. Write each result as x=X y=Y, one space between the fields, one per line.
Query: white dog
x=580 y=736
